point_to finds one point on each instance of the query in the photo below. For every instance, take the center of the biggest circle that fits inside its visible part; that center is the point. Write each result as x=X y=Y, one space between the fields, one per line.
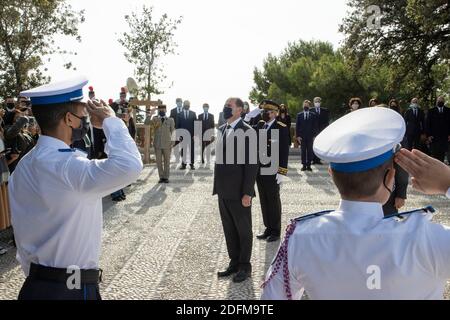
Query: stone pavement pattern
x=166 y=241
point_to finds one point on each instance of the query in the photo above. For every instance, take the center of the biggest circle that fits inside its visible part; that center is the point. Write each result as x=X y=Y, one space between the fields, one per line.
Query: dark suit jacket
x=438 y=125
x=174 y=116
x=414 y=125
x=323 y=118
x=254 y=122
x=187 y=124
x=233 y=181
x=307 y=128
x=283 y=145
x=207 y=124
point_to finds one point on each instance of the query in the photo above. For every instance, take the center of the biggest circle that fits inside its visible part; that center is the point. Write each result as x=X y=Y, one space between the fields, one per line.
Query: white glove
x=280 y=178
x=252 y=114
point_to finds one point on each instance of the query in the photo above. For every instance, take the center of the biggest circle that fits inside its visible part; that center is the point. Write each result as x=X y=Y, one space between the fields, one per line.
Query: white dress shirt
x=56 y=198
x=334 y=256
x=270 y=123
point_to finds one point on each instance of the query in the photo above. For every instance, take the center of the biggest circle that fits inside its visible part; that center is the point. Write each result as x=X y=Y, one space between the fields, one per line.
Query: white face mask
x=317 y=104
x=355 y=106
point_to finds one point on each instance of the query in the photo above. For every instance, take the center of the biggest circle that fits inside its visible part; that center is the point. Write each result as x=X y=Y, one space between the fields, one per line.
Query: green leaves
x=147 y=42
x=27 y=31
x=414 y=36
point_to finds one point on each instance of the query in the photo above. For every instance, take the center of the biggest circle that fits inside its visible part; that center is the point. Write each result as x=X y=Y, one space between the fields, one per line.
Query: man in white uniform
x=56 y=193
x=354 y=252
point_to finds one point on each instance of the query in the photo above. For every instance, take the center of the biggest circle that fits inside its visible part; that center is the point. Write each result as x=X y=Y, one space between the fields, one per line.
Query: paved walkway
x=166 y=241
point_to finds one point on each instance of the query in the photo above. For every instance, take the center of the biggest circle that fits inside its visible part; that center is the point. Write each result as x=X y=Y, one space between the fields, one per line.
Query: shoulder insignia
x=282 y=124
x=262 y=121
x=426 y=210
x=280 y=263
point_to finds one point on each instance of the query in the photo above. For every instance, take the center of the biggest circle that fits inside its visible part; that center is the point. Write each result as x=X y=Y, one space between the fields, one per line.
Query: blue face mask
x=227 y=113
x=162 y=114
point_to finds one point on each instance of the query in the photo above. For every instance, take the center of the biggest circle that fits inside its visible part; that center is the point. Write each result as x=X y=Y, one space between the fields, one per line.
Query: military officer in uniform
x=56 y=193
x=354 y=252
x=269 y=184
x=163 y=128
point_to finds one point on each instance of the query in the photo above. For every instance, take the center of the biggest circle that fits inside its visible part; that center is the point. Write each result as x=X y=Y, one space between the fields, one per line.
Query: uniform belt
x=39 y=272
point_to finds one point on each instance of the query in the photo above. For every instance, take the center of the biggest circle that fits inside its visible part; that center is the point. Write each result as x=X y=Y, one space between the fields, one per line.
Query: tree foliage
x=27 y=32
x=309 y=69
x=412 y=37
x=149 y=40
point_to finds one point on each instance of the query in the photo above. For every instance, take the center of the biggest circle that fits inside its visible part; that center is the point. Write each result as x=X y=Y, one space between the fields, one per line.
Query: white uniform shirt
x=334 y=256
x=56 y=198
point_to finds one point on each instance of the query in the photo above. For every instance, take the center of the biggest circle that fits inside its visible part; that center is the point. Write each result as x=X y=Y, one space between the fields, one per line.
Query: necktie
x=441 y=110
x=185 y=115
x=162 y=120
x=318 y=111
x=206 y=116
x=266 y=126
x=415 y=112
x=306 y=115
x=226 y=132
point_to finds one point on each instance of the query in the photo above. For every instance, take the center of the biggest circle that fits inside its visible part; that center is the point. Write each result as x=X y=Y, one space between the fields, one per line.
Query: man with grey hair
x=415 y=124
x=323 y=116
x=186 y=121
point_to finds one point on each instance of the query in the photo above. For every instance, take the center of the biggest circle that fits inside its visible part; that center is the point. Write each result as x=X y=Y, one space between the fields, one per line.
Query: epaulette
x=401 y=215
x=281 y=259
x=282 y=124
x=262 y=121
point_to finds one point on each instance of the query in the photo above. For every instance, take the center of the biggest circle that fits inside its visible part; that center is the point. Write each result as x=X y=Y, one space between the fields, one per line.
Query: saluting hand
x=429 y=175
x=98 y=112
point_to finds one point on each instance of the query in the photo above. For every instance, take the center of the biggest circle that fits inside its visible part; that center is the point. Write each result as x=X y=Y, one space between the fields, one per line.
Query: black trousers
x=36 y=289
x=412 y=142
x=439 y=148
x=192 y=154
x=307 y=151
x=237 y=226
x=269 y=195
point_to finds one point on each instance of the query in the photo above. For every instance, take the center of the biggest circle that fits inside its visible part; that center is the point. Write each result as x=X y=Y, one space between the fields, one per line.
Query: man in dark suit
x=174 y=115
x=269 y=182
x=323 y=116
x=176 y=111
x=438 y=129
x=306 y=129
x=234 y=183
x=415 y=124
x=208 y=123
x=186 y=121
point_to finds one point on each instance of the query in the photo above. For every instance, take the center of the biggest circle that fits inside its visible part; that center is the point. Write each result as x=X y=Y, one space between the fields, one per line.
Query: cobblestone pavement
x=166 y=241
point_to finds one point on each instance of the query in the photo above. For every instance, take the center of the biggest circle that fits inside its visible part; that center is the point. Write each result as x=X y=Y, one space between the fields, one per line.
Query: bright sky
x=219 y=43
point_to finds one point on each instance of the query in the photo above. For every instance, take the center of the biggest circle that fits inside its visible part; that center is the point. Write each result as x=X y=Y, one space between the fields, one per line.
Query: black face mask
x=227 y=113
x=440 y=104
x=79 y=133
x=266 y=116
x=306 y=109
x=162 y=114
x=10 y=106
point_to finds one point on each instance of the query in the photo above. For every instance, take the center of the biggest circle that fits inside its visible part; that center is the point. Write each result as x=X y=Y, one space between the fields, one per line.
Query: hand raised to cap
x=429 y=175
x=98 y=112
